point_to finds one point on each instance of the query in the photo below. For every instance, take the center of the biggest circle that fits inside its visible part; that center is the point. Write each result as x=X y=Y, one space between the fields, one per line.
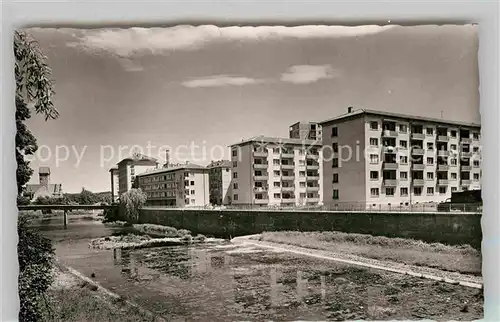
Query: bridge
x=66 y=208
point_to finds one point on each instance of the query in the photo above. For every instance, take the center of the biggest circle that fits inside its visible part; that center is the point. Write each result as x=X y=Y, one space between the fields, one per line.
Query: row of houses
x=362 y=157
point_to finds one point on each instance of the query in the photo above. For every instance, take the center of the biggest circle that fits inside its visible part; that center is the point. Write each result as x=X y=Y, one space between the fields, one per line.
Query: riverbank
x=73 y=299
x=461 y=259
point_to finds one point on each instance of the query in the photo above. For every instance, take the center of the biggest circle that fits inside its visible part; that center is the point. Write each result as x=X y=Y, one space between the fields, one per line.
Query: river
x=225 y=282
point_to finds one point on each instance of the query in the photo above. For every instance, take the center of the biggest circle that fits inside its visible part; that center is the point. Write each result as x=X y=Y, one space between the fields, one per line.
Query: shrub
x=111 y=214
x=36 y=260
x=130 y=204
x=200 y=238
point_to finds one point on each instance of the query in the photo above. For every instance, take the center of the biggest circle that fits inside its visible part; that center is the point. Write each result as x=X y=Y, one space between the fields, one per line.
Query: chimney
x=349 y=109
x=167 y=158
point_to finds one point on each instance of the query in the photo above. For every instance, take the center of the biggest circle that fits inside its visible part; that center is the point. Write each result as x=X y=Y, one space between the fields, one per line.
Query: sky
x=202 y=88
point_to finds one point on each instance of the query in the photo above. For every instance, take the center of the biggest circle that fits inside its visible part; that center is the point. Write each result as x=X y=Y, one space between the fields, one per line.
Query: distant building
x=409 y=159
x=269 y=171
x=44 y=188
x=181 y=185
x=130 y=167
x=219 y=176
x=114 y=183
x=305 y=131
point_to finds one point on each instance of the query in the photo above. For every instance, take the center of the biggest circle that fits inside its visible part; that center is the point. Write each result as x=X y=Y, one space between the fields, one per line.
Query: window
x=302 y=162
x=235 y=197
x=193 y=192
x=453 y=147
x=277 y=184
x=374 y=192
x=430 y=190
x=186 y=201
x=417 y=191
x=453 y=133
x=186 y=192
x=453 y=189
x=374 y=175
x=276 y=150
x=453 y=176
x=302 y=174
x=373 y=141
x=430 y=160
x=335 y=147
x=404 y=192
x=302 y=184
x=475 y=136
x=335 y=163
x=235 y=164
x=403 y=175
x=235 y=185
x=235 y=153
x=403 y=128
x=277 y=195
x=475 y=163
x=430 y=175
x=235 y=175
x=335 y=178
x=335 y=132
x=302 y=195
x=335 y=195
x=453 y=162
x=374 y=125
x=403 y=144
x=475 y=149
x=276 y=173
x=403 y=159
x=442 y=190
x=276 y=161
x=430 y=146
x=429 y=131
x=476 y=176
x=192 y=183
x=373 y=158
x=389 y=191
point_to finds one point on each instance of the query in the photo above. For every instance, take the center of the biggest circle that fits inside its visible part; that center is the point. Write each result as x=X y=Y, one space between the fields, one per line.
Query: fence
x=346 y=207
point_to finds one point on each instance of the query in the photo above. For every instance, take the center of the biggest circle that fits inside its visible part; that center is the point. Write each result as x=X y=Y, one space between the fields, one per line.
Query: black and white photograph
x=249 y=173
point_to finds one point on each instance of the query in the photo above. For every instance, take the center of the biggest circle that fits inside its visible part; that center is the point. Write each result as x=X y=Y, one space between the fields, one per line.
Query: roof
x=38 y=189
x=44 y=170
x=360 y=112
x=113 y=169
x=221 y=163
x=139 y=158
x=277 y=140
x=187 y=166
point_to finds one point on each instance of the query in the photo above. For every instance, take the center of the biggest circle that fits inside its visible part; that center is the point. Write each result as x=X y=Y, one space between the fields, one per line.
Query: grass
x=464 y=259
x=164 y=231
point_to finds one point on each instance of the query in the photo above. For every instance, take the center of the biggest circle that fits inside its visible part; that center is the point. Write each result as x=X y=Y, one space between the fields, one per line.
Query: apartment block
x=397 y=160
x=181 y=185
x=114 y=173
x=305 y=131
x=270 y=171
x=128 y=168
x=219 y=177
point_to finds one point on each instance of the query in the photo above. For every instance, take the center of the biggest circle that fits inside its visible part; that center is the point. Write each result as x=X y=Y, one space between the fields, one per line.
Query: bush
x=130 y=204
x=111 y=214
x=36 y=260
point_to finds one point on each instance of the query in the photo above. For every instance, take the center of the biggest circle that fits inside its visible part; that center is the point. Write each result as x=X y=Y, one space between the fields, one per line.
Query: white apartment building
x=305 y=131
x=402 y=160
x=269 y=171
x=128 y=168
x=219 y=176
x=181 y=185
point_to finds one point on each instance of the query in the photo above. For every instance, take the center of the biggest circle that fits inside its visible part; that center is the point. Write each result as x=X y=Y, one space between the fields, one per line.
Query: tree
x=87 y=197
x=131 y=202
x=34 y=88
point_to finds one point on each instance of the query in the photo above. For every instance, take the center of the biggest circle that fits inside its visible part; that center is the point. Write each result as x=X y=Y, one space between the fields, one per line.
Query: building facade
x=44 y=188
x=219 y=176
x=130 y=167
x=381 y=159
x=305 y=131
x=114 y=174
x=184 y=185
x=270 y=171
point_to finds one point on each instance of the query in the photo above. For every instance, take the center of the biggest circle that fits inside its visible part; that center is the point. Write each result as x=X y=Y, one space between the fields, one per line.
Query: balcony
x=312 y=189
x=287 y=166
x=418 y=136
x=417 y=151
x=285 y=178
x=466 y=140
x=388 y=149
x=390 y=182
x=261 y=178
x=261 y=201
x=465 y=182
x=260 y=189
x=287 y=189
x=443 y=138
x=389 y=134
x=287 y=155
x=312 y=166
x=313 y=199
x=443 y=153
x=310 y=178
x=260 y=153
x=260 y=165
x=287 y=200
x=312 y=156
x=465 y=168
x=389 y=166
x=418 y=182
x=443 y=182
x=442 y=167
x=418 y=166
x=467 y=154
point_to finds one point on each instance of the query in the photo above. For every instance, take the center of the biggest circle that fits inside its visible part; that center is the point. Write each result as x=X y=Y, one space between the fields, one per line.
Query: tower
x=44 y=176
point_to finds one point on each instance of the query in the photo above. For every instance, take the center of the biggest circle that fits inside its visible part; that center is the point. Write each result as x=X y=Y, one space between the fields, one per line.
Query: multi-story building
x=271 y=171
x=181 y=185
x=130 y=167
x=114 y=173
x=385 y=159
x=305 y=131
x=219 y=177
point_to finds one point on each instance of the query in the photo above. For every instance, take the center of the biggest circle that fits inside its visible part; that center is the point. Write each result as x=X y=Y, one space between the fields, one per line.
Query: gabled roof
x=38 y=189
x=360 y=112
x=139 y=158
x=44 y=170
x=221 y=163
x=276 y=140
x=188 y=166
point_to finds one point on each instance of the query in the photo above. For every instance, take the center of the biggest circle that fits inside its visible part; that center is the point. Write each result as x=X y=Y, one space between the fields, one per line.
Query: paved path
x=418 y=271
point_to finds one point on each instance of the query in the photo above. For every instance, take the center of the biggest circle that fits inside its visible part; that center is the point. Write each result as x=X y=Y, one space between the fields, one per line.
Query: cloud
x=137 y=41
x=305 y=74
x=221 y=80
x=129 y=65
